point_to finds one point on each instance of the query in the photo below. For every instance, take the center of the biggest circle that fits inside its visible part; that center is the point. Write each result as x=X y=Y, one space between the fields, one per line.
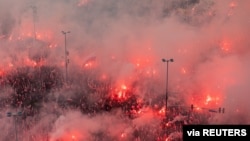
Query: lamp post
x=9 y=114
x=165 y=60
x=66 y=56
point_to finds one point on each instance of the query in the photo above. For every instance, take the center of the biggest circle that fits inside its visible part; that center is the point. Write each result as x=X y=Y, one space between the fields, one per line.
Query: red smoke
x=117 y=81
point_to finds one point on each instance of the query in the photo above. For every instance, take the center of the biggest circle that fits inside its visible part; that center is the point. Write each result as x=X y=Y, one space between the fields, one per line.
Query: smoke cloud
x=116 y=47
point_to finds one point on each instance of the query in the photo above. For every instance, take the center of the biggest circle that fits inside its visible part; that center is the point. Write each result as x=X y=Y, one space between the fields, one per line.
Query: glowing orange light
x=138 y=112
x=113 y=57
x=52 y=45
x=124 y=87
x=212 y=100
x=29 y=34
x=11 y=65
x=183 y=70
x=198 y=108
x=123 y=135
x=232 y=4
x=104 y=76
x=30 y=62
x=10 y=38
x=208 y=99
x=225 y=46
x=162 y=111
x=120 y=94
x=88 y=64
x=1 y=72
x=154 y=71
x=39 y=36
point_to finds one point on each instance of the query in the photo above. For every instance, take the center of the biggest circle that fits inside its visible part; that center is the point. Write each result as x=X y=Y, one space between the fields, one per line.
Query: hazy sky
x=207 y=39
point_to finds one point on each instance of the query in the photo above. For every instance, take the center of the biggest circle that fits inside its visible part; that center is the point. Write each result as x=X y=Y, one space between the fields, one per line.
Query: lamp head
x=9 y=114
x=65 y=32
x=19 y=113
x=170 y=60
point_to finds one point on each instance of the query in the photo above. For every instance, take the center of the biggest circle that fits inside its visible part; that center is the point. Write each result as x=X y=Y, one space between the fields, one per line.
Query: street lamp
x=9 y=114
x=165 y=60
x=66 y=56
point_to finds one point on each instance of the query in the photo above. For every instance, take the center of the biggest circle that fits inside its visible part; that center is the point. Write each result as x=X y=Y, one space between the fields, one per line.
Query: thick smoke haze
x=114 y=43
